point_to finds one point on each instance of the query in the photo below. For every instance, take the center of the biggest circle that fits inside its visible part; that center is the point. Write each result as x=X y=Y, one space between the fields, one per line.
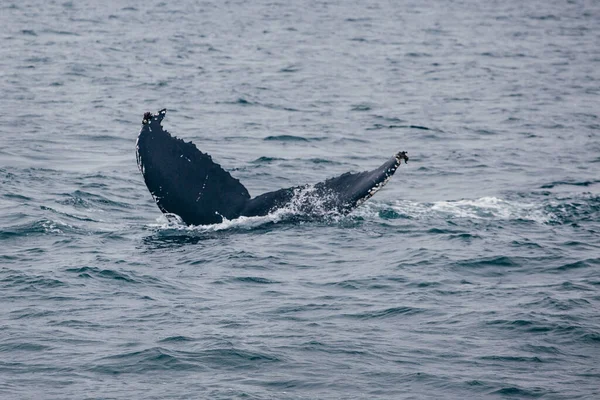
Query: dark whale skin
x=187 y=182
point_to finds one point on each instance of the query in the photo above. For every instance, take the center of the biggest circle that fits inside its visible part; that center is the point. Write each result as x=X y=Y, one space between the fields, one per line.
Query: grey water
x=475 y=273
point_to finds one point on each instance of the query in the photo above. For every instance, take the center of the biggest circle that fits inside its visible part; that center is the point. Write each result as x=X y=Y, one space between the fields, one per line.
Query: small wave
x=176 y=339
x=358 y=19
x=545 y=17
x=423 y=128
x=385 y=313
x=61 y=33
x=105 y=138
x=578 y=265
x=94 y=272
x=67 y=215
x=290 y=69
x=554 y=184
x=249 y=103
x=76 y=323
x=286 y=138
x=315 y=160
x=267 y=160
x=18 y=279
x=255 y=280
x=417 y=54
x=33 y=347
x=532 y=323
x=358 y=284
x=154 y=359
x=162 y=359
x=575 y=209
x=511 y=359
x=39 y=227
x=361 y=107
x=242 y=101
x=87 y=199
x=378 y=126
x=554 y=303
x=591 y=337
x=323 y=161
x=519 y=393
x=499 y=261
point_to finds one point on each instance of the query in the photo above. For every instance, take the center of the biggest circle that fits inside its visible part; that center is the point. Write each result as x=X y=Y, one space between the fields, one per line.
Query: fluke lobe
x=187 y=182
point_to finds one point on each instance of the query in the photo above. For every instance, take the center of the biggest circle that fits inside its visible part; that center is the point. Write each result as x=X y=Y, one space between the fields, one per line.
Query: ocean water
x=475 y=273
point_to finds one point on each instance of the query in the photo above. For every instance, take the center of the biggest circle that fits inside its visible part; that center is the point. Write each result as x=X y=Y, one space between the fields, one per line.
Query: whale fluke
x=187 y=182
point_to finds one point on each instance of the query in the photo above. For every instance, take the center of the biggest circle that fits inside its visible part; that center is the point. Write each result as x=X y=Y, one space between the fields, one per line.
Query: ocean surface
x=475 y=273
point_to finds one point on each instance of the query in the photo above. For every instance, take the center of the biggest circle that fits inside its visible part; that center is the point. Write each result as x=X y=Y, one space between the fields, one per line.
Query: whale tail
x=187 y=182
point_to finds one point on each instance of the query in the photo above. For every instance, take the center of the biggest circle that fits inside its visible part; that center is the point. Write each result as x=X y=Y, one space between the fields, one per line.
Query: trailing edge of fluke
x=187 y=182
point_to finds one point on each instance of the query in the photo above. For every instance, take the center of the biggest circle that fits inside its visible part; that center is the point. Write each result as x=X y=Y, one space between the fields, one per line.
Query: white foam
x=306 y=201
x=484 y=208
x=53 y=226
x=174 y=222
x=492 y=208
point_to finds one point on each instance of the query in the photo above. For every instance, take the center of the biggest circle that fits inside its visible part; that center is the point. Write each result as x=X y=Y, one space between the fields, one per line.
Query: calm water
x=473 y=274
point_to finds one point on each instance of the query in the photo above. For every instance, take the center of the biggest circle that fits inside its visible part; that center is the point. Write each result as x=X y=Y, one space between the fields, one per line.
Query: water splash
x=307 y=204
x=484 y=208
x=492 y=208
